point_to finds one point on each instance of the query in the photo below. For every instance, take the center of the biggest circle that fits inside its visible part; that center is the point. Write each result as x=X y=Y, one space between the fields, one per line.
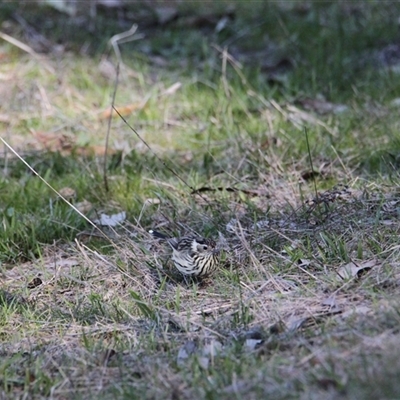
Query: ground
x=270 y=126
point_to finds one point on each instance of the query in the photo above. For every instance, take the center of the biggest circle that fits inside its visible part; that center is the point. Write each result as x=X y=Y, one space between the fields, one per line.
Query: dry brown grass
x=305 y=303
x=289 y=318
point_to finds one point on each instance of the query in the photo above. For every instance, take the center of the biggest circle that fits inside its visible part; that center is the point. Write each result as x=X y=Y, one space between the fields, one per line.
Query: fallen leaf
x=251 y=344
x=151 y=201
x=185 y=351
x=203 y=361
x=124 y=111
x=172 y=89
x=111 y=220
x=360 y=310
x=166 y=14
x=330 y=301
x=84 y=206
x=222 y=23
x=293 y=324
x=62 y=6
x=322 y=107
x=68 y=193
x=303 y=262
x=388 y=222
x=107 y=69
x=353 y=269
x=212 y=349
x=332 y=304
x=53 y=141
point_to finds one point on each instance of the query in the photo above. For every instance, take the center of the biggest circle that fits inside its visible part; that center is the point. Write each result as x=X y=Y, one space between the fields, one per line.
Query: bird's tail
x=158 y=235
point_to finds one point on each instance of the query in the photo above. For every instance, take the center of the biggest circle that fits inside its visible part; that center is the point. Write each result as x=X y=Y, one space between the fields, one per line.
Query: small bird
x=191 y=254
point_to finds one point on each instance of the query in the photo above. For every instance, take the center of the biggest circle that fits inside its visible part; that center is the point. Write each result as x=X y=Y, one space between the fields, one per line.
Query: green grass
x=112 y=318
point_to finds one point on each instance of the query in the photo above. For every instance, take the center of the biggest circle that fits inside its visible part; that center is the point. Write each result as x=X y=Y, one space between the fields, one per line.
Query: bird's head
x=203 y=245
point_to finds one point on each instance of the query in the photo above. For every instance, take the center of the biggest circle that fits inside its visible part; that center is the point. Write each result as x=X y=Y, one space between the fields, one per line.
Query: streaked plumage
x=192 y=255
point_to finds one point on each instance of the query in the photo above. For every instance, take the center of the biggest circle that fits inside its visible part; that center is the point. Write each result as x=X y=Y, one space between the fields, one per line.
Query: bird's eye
x=205 y=247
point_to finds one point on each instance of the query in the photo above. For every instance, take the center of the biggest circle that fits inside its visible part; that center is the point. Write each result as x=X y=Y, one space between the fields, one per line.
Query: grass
x=304 y=304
